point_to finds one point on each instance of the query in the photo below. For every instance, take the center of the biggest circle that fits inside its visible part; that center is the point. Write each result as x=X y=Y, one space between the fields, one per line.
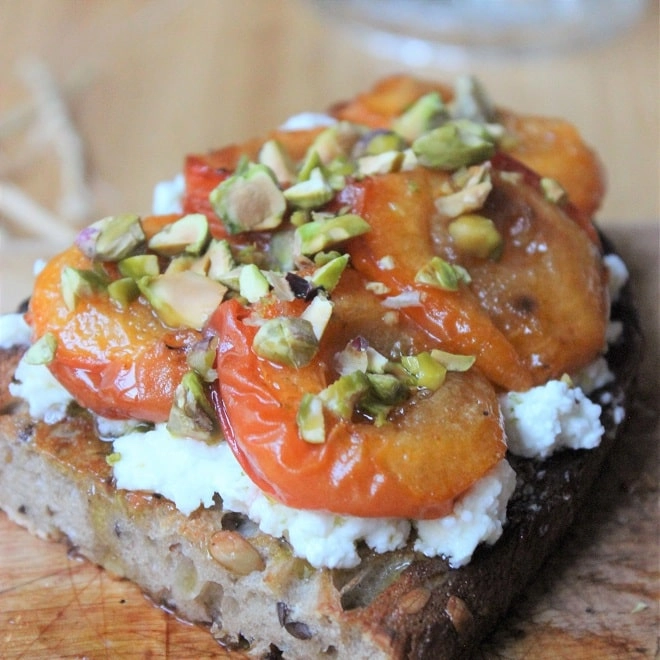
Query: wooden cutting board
x=596 y=598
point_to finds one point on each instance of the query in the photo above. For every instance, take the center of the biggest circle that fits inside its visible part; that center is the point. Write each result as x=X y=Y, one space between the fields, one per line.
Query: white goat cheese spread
x=190 y=472
x=550 y=417
x=14 y=331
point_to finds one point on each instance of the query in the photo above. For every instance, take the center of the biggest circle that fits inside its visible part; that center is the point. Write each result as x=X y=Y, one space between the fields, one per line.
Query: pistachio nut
x=457 y=143
x=250 y=200
x=287 y=340
x=112 y=238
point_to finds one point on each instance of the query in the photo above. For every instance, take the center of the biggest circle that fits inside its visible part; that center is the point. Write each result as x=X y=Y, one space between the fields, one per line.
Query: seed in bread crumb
x=236 y=554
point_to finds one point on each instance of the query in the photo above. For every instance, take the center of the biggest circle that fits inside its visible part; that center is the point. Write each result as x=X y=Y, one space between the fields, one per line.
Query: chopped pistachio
x=189 y=234
x=273 y=155
x=299 y=217
x=470 y=198
x=252 y=283
x=312 y=193
x=139 y=265
x=249 y=200
x=335 y=141
x=123 y=291
x=328 y=275
x=192 y=415
x=452 y=361
x=184 y=299
x=221 y=260
x=425 y=371
x=553 y=190
x=340 y=397
x=388 y=161
x=388 y=388
x=317 y=235
x=287 y=340
x=457 y=143
x=310 y=420
x=201 y=358
x=425 y=114
x=476 y=235
x=378 y=142
x=471 y=101
x=318 y=313
x=311 y=162
x=77 y=283
x=43 y=350
x=181 y=263
x=439 y=273
x=112 y=238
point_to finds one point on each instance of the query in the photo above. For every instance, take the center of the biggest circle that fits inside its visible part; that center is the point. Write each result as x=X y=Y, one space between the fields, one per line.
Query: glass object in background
x=418 y=31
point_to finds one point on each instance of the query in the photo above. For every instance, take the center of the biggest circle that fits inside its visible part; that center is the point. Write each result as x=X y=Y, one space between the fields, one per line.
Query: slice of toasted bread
x=217 y=569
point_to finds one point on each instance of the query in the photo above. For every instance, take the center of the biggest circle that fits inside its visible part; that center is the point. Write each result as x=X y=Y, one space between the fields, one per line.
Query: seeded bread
x=217 y=569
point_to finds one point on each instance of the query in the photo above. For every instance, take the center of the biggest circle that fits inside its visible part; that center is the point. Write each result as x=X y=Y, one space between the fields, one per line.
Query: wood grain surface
x=142 y=83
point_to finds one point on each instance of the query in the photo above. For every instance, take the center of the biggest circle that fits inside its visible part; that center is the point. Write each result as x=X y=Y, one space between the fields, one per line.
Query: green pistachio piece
x=77 y=283
x=388 y=161
x=457 y=143
x=378 y=142
x=388 y=388
x=318 y=313
x=43 y=350
x=123 y=291
x=287 y=340
x=452 y=361
x=139 y=265
x=274 y=156
x=328 y=275
x=441 y=274
x=252 y=283
x=189 y=234
x=552 y=190
x=341 y=397
x=317 y=235
x=310 y=420
x=192 y=415
x=249 y=200
x=181 y=263
x=471 y=101
x=335 y=141
x=476 y=235
x=112 y=238
x=425 y=114
x=424 y=370
x=220 y=259
x=201 y=358
x=312 y=193
x=185 y=299
x=281 y=250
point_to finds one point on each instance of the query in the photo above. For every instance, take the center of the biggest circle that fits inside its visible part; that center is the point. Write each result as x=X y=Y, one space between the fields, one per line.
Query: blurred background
x=99 y=100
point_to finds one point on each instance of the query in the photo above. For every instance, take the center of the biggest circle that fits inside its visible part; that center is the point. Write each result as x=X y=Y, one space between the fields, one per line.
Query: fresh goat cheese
x=477 y=516
x=550 y=417
x=189 y=473
x=46 y=398
x=167 y=196
x=14 y=331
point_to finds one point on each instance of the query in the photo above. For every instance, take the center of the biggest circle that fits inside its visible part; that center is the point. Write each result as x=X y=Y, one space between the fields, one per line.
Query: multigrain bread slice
x=217 y=569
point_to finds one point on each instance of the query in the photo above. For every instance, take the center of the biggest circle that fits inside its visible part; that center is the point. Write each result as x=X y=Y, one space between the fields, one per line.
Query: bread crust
x=55 y=481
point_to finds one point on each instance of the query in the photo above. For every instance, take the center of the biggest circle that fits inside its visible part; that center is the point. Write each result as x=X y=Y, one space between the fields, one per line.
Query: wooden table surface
x=99 y=100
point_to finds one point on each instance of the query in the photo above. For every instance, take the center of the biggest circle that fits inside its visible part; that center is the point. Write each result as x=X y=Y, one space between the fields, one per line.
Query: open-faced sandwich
x=347 y=387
